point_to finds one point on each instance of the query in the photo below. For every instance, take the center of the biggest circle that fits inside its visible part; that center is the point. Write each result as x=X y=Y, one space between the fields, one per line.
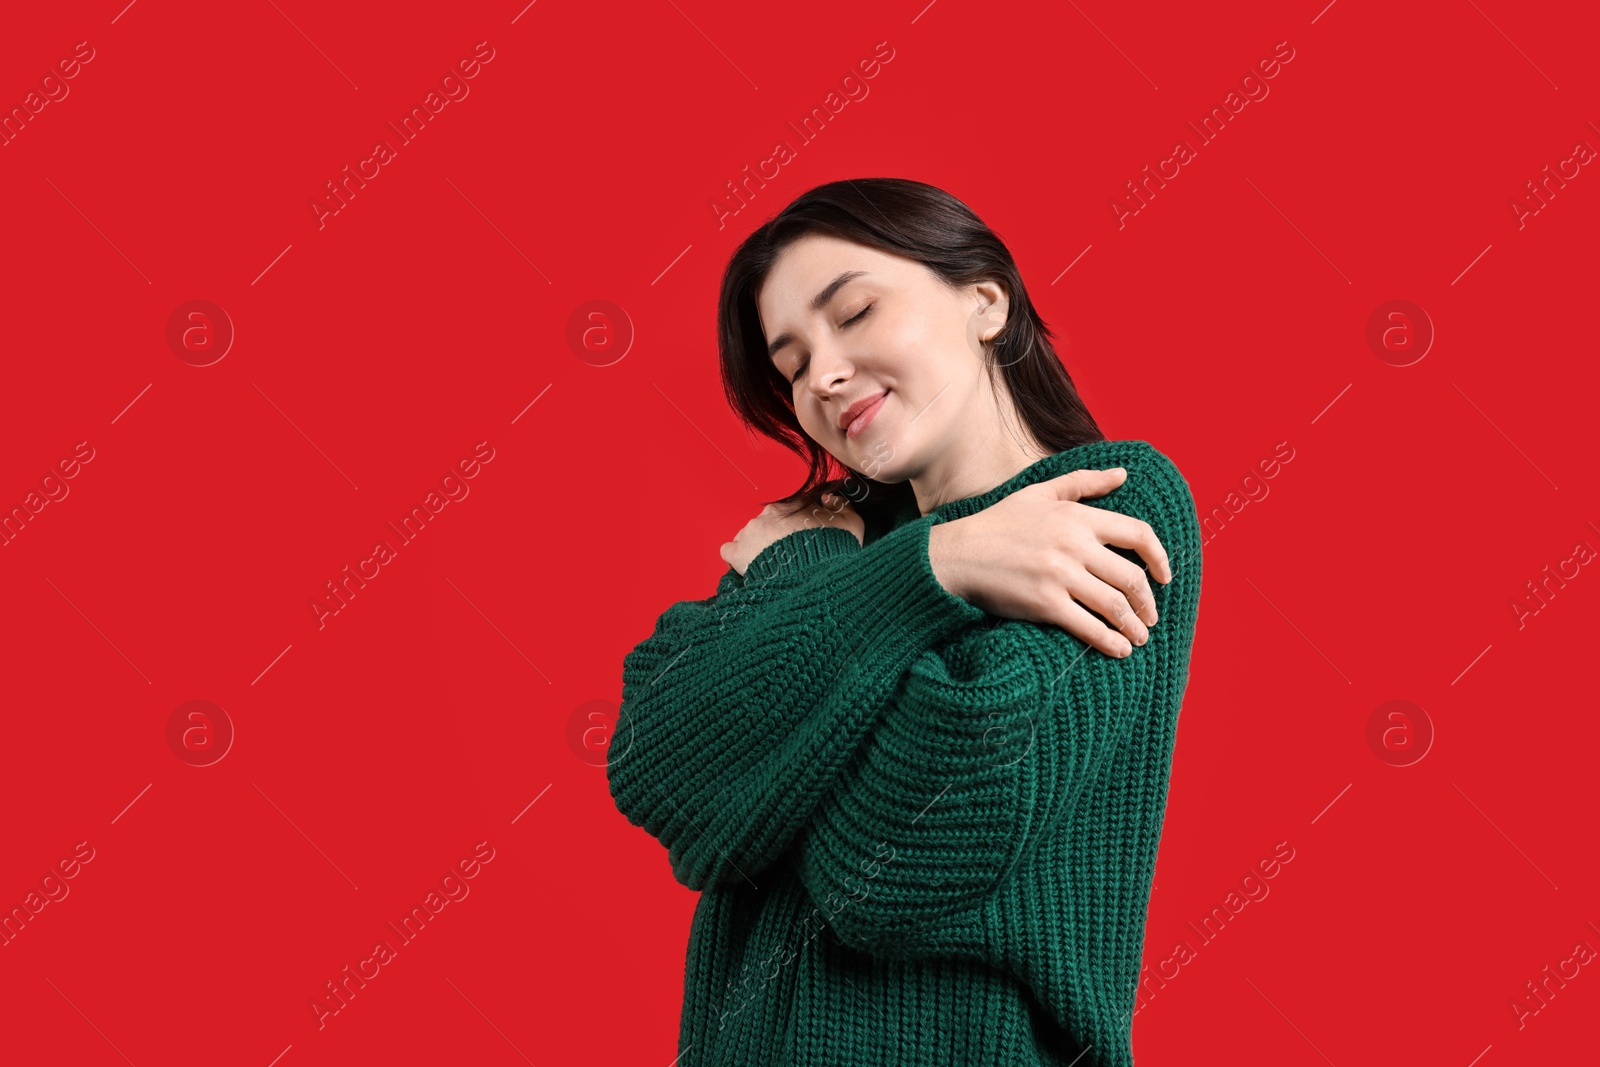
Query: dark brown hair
x=919 y=222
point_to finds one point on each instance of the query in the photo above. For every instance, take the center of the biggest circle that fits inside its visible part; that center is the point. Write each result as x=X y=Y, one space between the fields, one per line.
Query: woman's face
x=852 y=328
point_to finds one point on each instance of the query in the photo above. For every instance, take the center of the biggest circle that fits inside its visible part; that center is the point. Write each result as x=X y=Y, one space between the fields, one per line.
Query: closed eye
x=801 y=369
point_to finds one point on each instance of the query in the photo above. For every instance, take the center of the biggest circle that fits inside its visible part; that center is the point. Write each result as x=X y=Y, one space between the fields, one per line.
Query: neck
x=983 y=456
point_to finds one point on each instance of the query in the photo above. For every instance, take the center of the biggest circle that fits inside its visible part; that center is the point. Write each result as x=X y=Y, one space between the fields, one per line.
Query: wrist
x=946 y=559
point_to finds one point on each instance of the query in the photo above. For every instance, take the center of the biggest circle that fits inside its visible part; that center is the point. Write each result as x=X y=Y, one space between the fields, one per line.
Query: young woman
x=918 y=783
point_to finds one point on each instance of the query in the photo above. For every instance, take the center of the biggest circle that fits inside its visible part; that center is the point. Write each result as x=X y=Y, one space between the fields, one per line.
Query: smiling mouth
x=859 y=424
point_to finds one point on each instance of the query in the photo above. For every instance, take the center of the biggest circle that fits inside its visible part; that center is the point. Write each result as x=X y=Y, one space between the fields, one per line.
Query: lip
x=856 y=417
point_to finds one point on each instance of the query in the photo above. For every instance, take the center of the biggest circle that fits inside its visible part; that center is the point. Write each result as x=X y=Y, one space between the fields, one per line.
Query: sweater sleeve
x=985 y=749
x=740 y=710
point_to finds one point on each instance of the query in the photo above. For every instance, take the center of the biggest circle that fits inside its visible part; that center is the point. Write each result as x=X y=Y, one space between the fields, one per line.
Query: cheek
x=812 y=419
x=911 y=350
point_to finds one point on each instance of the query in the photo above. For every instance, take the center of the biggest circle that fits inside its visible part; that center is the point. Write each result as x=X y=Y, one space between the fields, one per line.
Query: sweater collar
x=1094 y=454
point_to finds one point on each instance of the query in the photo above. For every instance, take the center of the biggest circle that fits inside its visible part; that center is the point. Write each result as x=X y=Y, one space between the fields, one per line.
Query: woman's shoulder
x=1130 y=452
x=1154 y=482
x=1155 y=491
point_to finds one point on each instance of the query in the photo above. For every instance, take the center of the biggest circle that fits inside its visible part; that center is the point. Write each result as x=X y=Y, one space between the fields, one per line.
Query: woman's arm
x=1039 y=554
x=741 y=709
x=984 y=752
x=730 y=735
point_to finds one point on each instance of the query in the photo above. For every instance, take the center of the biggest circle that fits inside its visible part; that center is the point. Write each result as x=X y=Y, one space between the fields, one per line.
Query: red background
x=373 y=353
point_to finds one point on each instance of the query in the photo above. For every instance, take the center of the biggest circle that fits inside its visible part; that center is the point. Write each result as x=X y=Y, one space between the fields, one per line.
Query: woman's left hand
x=774 y=523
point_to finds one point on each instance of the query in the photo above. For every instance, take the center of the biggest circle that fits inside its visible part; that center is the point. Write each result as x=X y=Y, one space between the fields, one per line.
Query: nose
x=829 y=370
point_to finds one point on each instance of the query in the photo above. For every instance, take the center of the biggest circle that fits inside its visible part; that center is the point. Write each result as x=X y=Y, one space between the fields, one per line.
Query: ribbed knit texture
x=922 y=834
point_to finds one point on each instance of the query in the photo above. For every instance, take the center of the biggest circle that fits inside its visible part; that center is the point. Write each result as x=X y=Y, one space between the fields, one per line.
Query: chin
x=886 y=468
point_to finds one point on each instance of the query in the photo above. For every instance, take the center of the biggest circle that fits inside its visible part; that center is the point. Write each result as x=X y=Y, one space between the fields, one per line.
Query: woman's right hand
x=775 y=523
x=1040 y=556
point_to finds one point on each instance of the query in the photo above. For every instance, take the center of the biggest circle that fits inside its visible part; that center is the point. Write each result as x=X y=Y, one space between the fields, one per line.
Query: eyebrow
x=818 y=302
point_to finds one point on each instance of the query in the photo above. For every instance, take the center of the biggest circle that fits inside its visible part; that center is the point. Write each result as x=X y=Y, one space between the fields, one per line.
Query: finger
x=1111 y=604
x=1079 y=484
x=1128 y=579
x=1078 y=622
x=1125 y=531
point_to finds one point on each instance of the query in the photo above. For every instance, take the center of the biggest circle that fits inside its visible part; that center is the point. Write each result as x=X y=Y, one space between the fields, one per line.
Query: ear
x=993 y=308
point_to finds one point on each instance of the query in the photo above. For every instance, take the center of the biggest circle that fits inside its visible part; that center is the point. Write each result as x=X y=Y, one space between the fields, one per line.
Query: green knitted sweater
x=922 y=834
